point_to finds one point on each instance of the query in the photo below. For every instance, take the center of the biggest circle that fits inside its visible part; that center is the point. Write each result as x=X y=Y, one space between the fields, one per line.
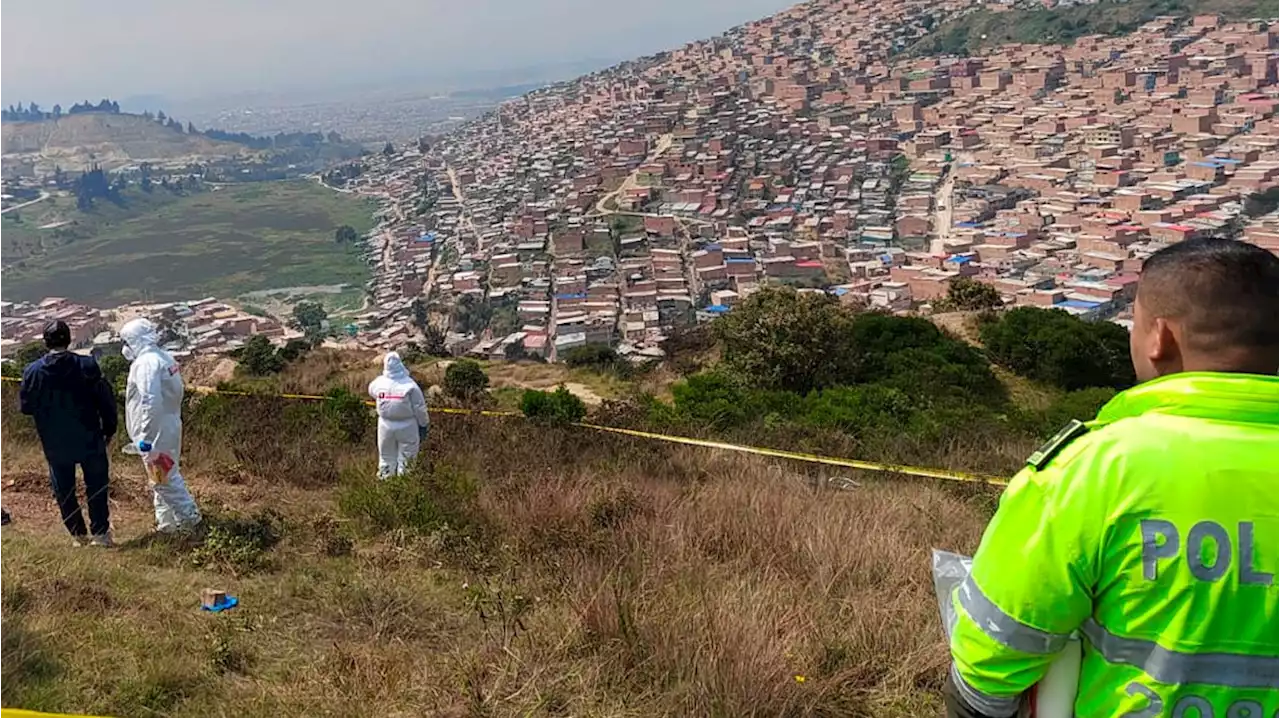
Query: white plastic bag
x=1055 y=695
x=949 y=570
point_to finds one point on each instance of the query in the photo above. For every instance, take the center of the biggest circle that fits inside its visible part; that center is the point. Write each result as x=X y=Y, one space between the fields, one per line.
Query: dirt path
x=662 y=145
x=43 y=196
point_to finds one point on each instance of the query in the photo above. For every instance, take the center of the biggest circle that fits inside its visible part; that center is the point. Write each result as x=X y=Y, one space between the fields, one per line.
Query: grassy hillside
x=237 y=239
x=75 y=142
x=981 y=29
x=528 y=568
x=534 y=571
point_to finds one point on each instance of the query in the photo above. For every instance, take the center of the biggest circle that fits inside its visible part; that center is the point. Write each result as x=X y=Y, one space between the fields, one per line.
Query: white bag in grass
x=1055 y=695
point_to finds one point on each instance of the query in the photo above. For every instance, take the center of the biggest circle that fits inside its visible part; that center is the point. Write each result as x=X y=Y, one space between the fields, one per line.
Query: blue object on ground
x=229 y=603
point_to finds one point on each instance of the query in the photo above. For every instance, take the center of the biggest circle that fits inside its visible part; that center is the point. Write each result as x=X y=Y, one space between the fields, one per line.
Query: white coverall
x=153 y=413
x=402 y=416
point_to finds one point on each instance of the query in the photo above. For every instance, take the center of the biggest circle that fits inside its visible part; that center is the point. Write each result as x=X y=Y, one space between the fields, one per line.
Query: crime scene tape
x=899 y=469
x=19 y=713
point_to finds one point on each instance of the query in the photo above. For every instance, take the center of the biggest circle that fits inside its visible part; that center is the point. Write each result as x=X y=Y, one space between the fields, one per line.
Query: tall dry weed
x=640 y=579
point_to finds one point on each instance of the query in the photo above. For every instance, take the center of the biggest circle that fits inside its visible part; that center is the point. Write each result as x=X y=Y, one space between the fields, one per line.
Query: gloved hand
x=422 y=433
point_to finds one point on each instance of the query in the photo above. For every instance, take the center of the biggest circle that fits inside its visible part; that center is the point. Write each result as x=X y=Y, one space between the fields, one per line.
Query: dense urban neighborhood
x=818 y=148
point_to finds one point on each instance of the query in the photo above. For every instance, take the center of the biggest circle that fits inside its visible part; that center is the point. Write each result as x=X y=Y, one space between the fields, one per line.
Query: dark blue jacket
x=73 y=406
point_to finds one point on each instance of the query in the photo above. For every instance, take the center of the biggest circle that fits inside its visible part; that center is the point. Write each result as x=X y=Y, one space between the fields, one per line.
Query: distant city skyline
x=70 y=50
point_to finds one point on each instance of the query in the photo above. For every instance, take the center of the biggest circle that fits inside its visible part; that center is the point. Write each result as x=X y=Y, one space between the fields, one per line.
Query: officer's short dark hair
x=1224 y=293
x=57 y=335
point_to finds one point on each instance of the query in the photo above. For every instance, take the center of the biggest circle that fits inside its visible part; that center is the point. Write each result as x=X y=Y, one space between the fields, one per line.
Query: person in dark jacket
x=75 y=414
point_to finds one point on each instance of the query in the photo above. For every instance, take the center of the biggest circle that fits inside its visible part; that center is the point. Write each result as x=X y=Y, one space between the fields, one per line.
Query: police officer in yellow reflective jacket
x=1150 y=532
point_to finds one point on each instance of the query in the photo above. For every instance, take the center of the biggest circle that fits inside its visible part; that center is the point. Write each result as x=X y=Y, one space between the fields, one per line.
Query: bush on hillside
x=779 y=339
x=347 y=416
x=915 y=356
x=30 y=352
x=1081 y=405
x=465 y=379
x=239 y=544
x=294 y=349
x=591 y=356
x=311 y=318
x=965 y=294
x=716 y=400
x=783 y=339
x=433 y=342
x=115 y=369
x=552 y=407
x=424 y=501
x=1052 y=346
x=259 y=358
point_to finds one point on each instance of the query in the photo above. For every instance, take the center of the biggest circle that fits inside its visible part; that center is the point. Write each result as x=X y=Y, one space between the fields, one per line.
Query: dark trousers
x=62 y=476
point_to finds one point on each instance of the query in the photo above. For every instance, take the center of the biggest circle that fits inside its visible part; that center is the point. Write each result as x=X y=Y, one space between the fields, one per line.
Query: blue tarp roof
x=1079 y=304
x=571 y=296
x=739 y=260
x=966 y=224
x=427 y=237
x=717 y=309
x=958 y=259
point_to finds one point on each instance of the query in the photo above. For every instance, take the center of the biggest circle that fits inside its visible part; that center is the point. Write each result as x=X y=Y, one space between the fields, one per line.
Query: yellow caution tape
x=902 y=470
x=811 y=458
x=19 y=713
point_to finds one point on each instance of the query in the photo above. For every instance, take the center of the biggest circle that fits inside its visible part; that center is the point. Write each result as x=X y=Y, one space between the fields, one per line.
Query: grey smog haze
x=68 y=50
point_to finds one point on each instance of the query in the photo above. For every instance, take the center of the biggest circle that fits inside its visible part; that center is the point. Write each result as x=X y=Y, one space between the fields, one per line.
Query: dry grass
x=612 y=578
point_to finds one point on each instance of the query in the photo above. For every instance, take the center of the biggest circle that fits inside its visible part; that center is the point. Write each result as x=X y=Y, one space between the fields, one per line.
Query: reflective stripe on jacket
x=1154 y=535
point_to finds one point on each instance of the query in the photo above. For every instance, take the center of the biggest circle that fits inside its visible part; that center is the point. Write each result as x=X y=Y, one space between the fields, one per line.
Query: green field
x=236 y=239
x=972 y=32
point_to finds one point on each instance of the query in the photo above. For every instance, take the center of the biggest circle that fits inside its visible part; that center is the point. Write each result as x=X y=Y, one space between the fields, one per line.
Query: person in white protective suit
x=153 y=417
x=402 y=416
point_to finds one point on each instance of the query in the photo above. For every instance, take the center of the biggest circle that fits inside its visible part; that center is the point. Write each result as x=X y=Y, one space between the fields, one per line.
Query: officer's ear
x=1164 y=344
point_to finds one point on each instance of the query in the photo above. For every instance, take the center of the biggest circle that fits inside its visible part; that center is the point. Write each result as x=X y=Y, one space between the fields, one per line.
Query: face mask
x=129 y=353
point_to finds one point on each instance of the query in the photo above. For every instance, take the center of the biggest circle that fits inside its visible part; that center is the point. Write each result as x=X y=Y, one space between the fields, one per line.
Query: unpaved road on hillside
x=43 y=196
x=662 y=145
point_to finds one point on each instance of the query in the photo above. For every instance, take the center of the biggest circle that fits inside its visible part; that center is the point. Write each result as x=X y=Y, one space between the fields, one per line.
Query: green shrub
x=424 y=501
x=782 y=339
x=914 y=355
x=856 y=409
x=715 y=400
x=239 y=544
x=115 y=369
x=346 y=415
x=259 y=358
x=967 y=294
x=594 y=356
x=553 y=407
x=1052 y=346
x=26 y=354
x=1081 y=405
x=294 y=349
x=465 y=379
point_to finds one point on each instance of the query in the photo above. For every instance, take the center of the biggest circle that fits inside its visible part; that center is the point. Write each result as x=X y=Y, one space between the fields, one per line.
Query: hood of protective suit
x=139 y=334
x=393 y=367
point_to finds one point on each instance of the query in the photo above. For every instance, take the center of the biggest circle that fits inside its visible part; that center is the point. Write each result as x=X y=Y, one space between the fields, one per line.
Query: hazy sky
x=65 y=50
